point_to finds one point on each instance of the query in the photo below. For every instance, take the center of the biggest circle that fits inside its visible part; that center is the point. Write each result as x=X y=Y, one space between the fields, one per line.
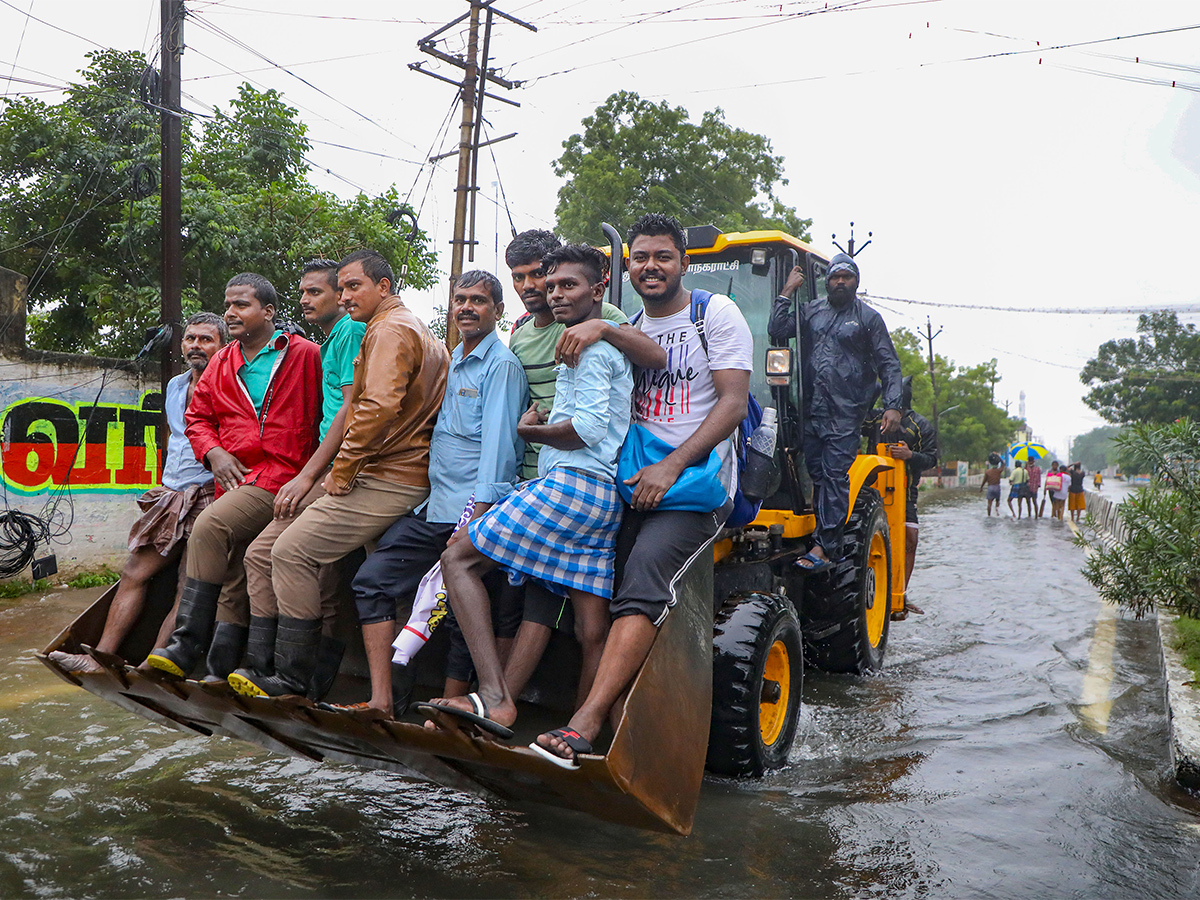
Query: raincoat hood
x=841 y=263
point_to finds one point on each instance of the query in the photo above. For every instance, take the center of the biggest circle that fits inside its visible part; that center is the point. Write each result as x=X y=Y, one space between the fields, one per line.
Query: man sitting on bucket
x=686 y=411
x=169 y=511
x=561 y=527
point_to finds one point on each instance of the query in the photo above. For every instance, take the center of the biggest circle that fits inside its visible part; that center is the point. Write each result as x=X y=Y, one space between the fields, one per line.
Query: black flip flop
x=573 y=739
x=478 y=718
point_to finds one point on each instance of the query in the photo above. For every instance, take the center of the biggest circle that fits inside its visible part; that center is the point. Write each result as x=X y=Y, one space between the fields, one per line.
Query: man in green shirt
x=541 y=344
x=320 y=301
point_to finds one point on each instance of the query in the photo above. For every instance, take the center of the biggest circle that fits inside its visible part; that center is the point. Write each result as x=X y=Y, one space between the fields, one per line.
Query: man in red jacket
x=253 y=421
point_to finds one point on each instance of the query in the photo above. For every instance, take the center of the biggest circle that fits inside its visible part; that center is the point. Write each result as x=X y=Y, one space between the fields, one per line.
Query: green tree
x=1096 y=449
x=970 y=424
x=634 y=156
x=1154 y=378
x=1158 y=563
x=72 y=219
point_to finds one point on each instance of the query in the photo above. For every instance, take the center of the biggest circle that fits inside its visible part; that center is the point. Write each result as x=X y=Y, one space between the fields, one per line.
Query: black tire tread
x=734 y=744
x=833 y=627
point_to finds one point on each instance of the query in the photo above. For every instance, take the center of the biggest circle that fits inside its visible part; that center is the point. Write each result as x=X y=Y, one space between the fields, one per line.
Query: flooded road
x=1015 y=747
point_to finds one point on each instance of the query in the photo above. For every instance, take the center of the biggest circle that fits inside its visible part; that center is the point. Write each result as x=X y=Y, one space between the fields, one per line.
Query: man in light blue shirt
x=473 y=458
x=559 y=529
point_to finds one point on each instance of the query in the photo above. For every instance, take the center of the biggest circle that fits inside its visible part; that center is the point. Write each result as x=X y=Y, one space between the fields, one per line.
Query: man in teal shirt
x=320 y=301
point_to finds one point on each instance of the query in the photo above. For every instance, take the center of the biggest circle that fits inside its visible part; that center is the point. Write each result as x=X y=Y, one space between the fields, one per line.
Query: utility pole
x=171 y=15
x=929 y=335
x=476 y=76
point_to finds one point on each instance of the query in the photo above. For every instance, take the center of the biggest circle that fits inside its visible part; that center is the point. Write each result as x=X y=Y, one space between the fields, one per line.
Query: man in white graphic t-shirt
x=693 y=405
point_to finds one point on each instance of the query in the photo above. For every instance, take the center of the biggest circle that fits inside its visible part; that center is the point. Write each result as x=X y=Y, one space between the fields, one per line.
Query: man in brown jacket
x=379 y=474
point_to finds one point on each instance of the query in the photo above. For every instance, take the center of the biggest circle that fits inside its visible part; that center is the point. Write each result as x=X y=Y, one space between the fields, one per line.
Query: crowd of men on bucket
x=499 y=463
x=1061 y=485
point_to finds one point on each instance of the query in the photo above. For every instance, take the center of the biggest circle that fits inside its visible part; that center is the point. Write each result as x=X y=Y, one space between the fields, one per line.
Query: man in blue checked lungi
x=692 y=405
x=559 y=529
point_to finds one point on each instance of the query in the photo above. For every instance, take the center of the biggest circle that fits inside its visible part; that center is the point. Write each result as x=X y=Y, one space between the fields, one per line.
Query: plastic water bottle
x=761 y=476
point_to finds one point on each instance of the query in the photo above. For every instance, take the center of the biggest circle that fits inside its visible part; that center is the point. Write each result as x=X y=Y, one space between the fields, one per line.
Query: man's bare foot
x=79 y=663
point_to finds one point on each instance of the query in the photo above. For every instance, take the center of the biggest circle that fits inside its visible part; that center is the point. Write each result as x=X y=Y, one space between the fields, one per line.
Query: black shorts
x=391 y=575
x=910 y=512
x=653 y=548
x=544 y=607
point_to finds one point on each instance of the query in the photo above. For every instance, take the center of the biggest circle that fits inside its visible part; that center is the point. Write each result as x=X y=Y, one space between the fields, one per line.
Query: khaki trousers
x=226 y=526
x=329 y=529
x=258 y=566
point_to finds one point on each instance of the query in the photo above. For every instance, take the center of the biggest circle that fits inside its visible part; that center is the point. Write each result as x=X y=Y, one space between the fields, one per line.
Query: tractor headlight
x=779 y=366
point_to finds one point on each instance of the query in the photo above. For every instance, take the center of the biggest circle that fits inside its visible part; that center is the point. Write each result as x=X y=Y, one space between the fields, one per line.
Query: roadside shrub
x=1159 y=564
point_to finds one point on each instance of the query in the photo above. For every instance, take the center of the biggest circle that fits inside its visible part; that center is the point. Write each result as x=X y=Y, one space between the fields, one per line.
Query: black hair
x=207 y=318
x=654 y=224
x=906 y=384
x=593 y=261
x=374 y=266
x=264 y=291
x=479 y=276
x=530 y=246
x=328 y=266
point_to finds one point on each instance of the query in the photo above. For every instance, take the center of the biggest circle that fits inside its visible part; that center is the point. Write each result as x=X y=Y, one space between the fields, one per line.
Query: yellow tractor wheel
x=758 y=671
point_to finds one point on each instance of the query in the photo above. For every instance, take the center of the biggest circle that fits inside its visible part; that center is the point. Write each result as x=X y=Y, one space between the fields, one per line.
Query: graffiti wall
x=93 y=446
x=77 y=441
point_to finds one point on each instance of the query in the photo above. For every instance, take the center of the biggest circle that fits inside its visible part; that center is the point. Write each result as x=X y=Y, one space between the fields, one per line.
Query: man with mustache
x=252 y=421
x=169 y=511
x=559 y=528
x=473 y=457
x=320 y=301
x=845 y=349
x=380 y=473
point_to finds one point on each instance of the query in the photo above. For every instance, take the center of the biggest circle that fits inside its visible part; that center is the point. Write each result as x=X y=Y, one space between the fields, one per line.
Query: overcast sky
x=995 y=167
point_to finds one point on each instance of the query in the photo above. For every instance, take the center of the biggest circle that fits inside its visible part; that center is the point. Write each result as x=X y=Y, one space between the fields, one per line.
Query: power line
x=1059 y=310
x=30 y=15
x=237 y=42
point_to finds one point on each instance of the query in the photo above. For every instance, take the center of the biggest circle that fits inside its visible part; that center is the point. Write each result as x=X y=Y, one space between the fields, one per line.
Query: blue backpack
x=744 y=509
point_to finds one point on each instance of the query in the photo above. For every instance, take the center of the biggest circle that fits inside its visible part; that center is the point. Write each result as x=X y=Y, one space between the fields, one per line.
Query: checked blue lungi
x=560 y=529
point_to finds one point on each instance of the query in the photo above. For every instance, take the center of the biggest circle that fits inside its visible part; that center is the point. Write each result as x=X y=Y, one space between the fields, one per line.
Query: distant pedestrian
x=1052 y=484
x=991 y=481
x=1075 y=499
x=1097 y=480
x=1034 y=485
x=1056 y=489
x=1018 y=480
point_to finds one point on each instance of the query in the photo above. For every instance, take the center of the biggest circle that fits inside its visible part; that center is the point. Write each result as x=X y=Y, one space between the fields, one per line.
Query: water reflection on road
x=971 y=768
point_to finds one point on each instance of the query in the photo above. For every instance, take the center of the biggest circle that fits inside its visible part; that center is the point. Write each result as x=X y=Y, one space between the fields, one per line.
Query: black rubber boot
x=296 y=642
x=225 y=651
x=193 y=629
x=329 y=660
x=402 y=687
x=260 y=645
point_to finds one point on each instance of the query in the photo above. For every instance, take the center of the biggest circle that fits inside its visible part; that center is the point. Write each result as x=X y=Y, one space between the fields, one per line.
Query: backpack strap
x=700 y=300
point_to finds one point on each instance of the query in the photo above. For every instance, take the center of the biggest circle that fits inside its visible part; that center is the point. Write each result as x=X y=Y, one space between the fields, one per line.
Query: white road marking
x=1095 y=703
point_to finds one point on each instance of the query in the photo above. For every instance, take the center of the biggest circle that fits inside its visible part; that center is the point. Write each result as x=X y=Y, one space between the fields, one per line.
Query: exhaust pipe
x=616 y=263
